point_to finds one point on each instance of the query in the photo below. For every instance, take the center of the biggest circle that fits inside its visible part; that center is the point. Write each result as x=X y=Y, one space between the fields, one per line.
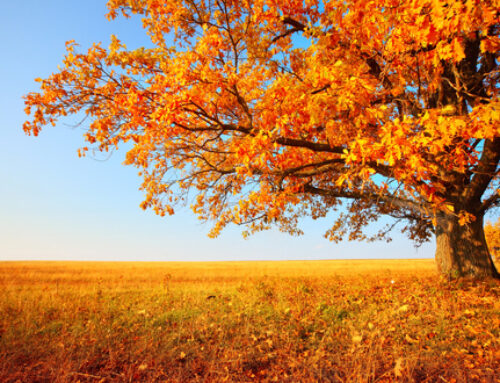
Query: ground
x=293 y=321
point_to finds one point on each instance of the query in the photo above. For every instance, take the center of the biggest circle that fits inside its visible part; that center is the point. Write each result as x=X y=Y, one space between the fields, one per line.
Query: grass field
x=294 y=321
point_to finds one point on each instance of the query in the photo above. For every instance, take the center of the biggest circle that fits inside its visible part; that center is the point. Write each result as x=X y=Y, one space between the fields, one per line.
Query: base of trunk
x=461 y=250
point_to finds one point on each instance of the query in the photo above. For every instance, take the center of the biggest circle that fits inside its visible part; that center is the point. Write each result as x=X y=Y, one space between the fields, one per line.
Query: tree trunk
x=461 y=250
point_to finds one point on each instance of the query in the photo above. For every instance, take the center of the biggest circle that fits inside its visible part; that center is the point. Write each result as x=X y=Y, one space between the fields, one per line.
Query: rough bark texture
x=462 y=250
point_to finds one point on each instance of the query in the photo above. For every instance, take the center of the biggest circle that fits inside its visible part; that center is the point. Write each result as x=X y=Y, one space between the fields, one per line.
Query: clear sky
x=56 y=206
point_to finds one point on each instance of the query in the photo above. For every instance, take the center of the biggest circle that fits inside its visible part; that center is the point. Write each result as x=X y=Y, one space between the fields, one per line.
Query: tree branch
x=484 y=172
x=396 y=202
x=492 y=201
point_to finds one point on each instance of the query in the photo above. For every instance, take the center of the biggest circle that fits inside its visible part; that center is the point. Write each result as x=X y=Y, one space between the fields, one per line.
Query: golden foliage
x=492 y=233
x=271 y=111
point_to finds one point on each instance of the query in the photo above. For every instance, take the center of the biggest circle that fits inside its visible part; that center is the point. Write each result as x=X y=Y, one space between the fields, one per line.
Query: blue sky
x=56 y=206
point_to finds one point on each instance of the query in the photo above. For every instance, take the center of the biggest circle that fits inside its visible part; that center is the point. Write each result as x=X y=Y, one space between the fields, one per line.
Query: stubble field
x=294 y=321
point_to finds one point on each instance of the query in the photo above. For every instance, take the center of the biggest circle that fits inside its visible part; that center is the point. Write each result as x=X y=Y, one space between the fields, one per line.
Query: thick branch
x=484 y=172
x=396 y=202
x=314 y=146
x=491 y=201
x=317 y=168
x=294 y=23
x=297 y=27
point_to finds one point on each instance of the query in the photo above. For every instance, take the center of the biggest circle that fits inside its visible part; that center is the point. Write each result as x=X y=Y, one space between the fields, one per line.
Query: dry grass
x=296 y=321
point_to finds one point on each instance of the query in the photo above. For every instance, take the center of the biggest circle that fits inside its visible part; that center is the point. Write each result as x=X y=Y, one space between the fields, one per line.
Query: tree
x=271 y=111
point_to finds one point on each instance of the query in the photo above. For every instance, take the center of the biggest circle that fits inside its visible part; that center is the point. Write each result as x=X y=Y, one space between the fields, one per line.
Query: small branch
x=492 y=201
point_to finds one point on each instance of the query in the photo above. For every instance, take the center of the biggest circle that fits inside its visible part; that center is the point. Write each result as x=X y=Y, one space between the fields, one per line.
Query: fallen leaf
x=357 y=338
x=409 y=339
x=398 y=368
x=403 y=309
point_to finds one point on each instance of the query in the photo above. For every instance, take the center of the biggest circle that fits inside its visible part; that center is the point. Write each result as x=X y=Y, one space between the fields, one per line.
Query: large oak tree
x=271 y=110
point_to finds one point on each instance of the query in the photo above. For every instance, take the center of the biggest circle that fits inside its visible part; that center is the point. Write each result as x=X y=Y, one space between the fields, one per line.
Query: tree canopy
x=260 y=112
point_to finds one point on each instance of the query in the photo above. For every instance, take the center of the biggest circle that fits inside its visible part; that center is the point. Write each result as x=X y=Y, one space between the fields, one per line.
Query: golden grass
x=341 y=321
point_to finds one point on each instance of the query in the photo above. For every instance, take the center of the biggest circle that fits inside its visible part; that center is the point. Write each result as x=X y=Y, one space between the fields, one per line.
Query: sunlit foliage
x=270 y=111
x=492 y=232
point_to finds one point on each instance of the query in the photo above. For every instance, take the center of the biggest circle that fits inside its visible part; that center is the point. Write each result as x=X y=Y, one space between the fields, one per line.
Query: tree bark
x=461 y=250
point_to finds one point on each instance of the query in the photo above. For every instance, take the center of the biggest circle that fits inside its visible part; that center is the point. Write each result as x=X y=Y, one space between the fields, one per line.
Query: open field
x=296 y=321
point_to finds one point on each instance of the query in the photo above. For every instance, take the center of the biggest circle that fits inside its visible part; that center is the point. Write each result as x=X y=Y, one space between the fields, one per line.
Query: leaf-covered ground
x=339 y=321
